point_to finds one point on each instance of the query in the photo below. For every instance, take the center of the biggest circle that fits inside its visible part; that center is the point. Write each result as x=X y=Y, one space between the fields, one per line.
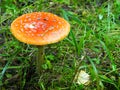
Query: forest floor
x=90 y=53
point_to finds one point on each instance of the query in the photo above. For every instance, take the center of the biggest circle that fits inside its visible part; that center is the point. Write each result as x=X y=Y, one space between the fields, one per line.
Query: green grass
x=93 y=45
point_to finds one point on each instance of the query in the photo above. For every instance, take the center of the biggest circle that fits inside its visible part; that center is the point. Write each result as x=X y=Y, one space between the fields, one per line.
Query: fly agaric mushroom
x=40 y=28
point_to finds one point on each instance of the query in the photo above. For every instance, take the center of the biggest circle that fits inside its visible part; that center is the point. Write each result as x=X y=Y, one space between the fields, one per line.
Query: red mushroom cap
x=40 y=28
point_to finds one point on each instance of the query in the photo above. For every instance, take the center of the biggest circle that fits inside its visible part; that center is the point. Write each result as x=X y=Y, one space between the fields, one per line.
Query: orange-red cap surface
x=40 y=28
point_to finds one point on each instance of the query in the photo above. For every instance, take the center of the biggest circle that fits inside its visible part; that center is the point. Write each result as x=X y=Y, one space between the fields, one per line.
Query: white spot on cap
x=38 y=18
x=51 y=28
x=21 y=30
x=57 y=26
x=29 y=19
x=28 y=16
x=29 y=26
x=27 y=32
x=32 y=34
x=54 y=20
x=43 y=26
x=40 y=23
x=33 y=30
x=25 y=20
x=21 y=21
x=59 y=22
x=16 y=25
x=30 y=31
x=40 y=35
x=26 y=25
x=45 y=31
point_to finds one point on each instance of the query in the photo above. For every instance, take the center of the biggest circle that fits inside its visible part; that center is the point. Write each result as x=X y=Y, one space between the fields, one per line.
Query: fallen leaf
x=82 y=78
